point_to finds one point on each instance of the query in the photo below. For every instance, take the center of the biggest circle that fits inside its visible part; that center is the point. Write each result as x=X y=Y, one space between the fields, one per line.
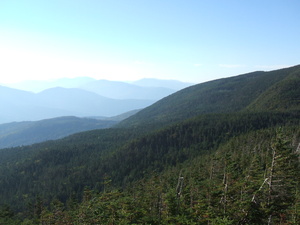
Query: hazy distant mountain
x=117 y=118
x=41 y=85
x=85 y=103
x=122 y=90
x=31 y=132
x=171 y=84
x=19 y=105
x=82 y=97
x=153 y=89
x=13 y=95
x=25 y=133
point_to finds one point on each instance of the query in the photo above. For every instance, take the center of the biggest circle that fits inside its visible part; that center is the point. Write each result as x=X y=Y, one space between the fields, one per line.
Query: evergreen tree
x=284 y=171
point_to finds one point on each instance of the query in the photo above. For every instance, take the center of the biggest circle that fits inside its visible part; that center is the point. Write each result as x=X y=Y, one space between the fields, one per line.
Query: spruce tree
x=282 y=181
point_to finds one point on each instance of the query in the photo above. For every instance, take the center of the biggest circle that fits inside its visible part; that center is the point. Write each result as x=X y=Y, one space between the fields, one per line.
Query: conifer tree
x=252 y=194
x=282 y=181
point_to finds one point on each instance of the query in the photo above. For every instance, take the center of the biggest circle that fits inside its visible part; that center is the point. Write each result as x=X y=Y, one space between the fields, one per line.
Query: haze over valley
x=81 y=97
x=228 y=127
x=149 y=112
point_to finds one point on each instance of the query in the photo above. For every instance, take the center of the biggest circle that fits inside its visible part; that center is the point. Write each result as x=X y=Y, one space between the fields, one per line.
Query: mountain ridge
x=154 y=90
x=280 y=96
x=224 y=95
x=31 y=132
x=126 y=90
x=23 y=106
x=204 y=135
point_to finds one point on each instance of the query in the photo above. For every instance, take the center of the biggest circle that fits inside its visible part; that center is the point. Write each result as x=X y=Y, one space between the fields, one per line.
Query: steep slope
x=283 y=95
x=224 y=95
x=26 y=133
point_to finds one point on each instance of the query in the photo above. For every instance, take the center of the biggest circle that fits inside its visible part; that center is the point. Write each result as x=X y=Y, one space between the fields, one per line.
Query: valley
x=220 y=152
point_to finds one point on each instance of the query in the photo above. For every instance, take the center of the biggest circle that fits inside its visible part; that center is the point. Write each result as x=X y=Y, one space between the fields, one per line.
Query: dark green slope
x=226 y=187
x=219 y=96
x=282 y=96
x=26 y=133
x=59 y=169
x=184 y=141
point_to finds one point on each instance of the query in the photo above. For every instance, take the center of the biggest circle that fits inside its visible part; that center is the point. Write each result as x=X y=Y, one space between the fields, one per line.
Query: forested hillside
x=26 y=133
x=31 y=132
x=251 y=179
x=284 y=95
x=191 y=158
x=225 y=95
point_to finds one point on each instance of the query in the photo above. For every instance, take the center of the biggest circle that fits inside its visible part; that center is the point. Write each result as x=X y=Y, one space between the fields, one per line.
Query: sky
x=187 y=40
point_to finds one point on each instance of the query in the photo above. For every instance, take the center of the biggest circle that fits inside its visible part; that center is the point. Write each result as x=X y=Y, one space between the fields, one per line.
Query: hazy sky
x=188 y=40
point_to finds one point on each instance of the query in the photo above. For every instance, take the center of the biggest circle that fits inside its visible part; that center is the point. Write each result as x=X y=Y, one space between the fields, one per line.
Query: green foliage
x=283 y=180
x=56 y=169
x=59 y=169
x=226 y=187
x=7 y=216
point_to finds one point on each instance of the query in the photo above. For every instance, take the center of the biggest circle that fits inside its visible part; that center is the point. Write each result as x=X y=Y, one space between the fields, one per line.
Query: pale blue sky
x=188 y=40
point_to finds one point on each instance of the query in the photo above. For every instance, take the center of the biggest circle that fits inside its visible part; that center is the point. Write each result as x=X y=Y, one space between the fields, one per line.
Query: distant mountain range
x=171 y=84
x=221 y=132
x=17 y=105
x=81 y=97
x=122 y=90
x=26 y=133
x=30 y=132
x=41 y=85
x=148 y=88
